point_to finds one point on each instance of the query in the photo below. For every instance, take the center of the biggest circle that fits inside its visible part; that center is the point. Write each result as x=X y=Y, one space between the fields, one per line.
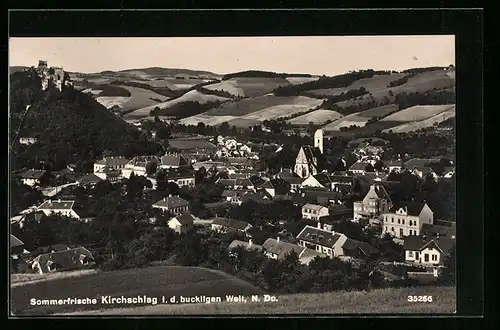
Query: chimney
x=164 y=199
x=59 y=201
x=50 y=201
x=319 y=225
x=250 y=242
x=278 y=239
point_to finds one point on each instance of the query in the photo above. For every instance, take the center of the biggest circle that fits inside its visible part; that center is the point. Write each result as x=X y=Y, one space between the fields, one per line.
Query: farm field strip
x=417 y=113
x=429 y=122
x=317 y=117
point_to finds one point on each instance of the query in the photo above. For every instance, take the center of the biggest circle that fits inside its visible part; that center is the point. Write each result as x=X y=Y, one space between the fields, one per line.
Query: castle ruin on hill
x=52 y=75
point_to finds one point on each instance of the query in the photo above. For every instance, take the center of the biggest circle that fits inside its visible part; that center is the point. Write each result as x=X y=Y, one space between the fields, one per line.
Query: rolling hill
x=425 y=123
x=318 y=117
x=191 y=96
x=255 y=110
x=140 y=98
x=360 y=118
x=155 y=282
x=248 y=86
x=417 y=113
x=380 y=301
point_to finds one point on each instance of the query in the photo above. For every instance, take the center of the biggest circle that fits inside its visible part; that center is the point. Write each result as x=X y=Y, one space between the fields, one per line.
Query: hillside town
x=288 y=210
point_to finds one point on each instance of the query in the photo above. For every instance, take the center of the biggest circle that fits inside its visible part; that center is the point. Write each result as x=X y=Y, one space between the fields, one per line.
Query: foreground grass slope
x=152 y=281
x=374 y=302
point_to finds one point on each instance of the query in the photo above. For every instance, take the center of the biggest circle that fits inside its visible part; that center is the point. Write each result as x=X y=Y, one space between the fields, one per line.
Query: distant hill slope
x=249 y=86
x=380 y=301
x=71 y=127
x=13 y=69
x=424 y=123
x=157 y=71
x=155 y=282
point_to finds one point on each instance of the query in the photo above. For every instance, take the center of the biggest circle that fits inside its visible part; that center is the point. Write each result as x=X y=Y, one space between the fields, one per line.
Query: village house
x=77 y=258
x=173 y=204
x=448 y=172
x=138 y=165
x=276 y=187
x=413 y=163
x=89 y=180
x=108 y=173
x=233 y=196
x=192 y=147
x=321 y=197
x=246 y=245
x=427 y=250
x=172 y=161
x=278 y=249
x=374 y=204
x=181 y=178
x=59 y=207
x=325 y=240
x=260 y=196
x=225 y=225
x=423 y=171
x=112 y=163
x=311 y=181
x=314 y=212
x=361 y=168
x=237 y=184
x=308 y=158
x=207 y=165
x=440 y=228
x=407 y=219
x=35 y=177
x=182 y=223
x=16 y=247
x=294 y=182
x=395 y=166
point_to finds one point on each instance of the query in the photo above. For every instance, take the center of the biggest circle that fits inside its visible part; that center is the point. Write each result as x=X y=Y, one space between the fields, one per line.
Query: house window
x=386 y=228
x=411 y=254
x=417 y=255
x=392 y=220
x=400 y=232
x=411 y=223
x=434 y=257
x=426 y=257
x=403 y=221
x=392 y=229
x=399 y=221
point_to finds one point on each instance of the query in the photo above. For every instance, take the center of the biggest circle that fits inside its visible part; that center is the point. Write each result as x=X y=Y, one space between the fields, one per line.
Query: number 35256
x=419 y=298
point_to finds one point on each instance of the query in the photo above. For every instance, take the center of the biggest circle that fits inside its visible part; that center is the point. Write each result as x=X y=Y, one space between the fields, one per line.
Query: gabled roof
x=293 y=179
x=33 y=174
x=14 y=241
x=312 y=154
x=231 y=223
x=174 y=174
x=233 y=193
x=341 y=179
x=260 y=196
x=246 y=245
x=141 y=161
x=64 y=260
x=89 y=179
x=323 y=178
x=113 y=161
x=173 y=160
x=313 y=206
x=281 y=187
x=419 y=243
x=418 y=162
x=266 y=185
x=365 y=248
x=227 y=182
x=256 y=180
x=56 y=205
x=185 y=219
x=413 y=208
x=318 y=236
x=434 y=230
x=378 y=191
x=281 y=248
x=358 y=166
x=285 y=173
x=171 y=202
x=243 y=182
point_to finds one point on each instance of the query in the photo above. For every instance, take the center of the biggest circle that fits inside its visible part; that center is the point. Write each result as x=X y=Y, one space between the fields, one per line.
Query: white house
x=138 y=165
x=359 y=167
x=27 y=140
x=172 y=204
x=224 y=225
x=320 y=240
x=427 y=251
x=33 y=177
x=182 y=223
x=311 y=181
x=64 y=208
x=407 y=219
x=114 y=163
x=314 y=212
x=172 y=161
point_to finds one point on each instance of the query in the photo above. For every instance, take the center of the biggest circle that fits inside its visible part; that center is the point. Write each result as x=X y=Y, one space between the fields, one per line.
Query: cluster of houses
x=320 y=195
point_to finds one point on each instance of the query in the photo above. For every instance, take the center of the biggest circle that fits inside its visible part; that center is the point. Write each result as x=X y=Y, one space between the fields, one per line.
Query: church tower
x=318 y=139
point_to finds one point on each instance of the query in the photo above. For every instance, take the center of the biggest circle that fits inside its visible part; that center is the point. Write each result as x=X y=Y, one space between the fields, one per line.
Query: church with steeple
x=307 y=161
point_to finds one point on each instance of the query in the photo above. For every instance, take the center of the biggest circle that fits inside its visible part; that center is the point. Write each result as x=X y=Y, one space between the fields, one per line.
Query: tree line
x=262 y=74
x=185 y=109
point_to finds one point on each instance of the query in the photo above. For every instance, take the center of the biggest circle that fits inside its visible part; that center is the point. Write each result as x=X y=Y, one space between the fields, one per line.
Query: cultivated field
x=193 y=96
x=373 y=84
x=317 y=117
x=429 y=122
x=248 y=87
x=360 y=119
x=156 y=282
x=172 y=83
x=300 y=80
x=139 y=98
x=381 y=301
x=417 y=113
x=298 y=105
